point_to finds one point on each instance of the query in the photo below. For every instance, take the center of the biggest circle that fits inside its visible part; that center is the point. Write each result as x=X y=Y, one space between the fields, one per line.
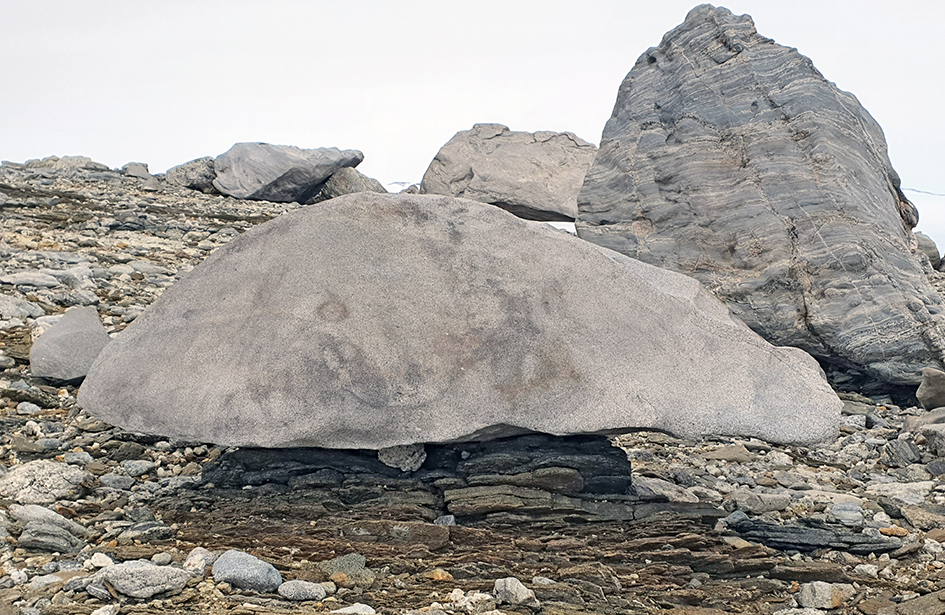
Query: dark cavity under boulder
x=732 y=159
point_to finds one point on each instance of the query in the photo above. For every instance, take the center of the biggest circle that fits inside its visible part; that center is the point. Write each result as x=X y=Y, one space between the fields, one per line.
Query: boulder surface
x=67 y=350
x=376 y=320
x=279 y=173
x=534 y=175
x=731 y=159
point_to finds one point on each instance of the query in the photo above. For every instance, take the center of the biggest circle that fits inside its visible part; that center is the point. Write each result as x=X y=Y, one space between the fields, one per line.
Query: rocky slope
x=853 y=525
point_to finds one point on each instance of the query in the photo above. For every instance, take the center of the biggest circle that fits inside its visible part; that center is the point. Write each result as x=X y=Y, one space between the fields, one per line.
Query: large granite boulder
x=731 y=159
x=279 y=173
x=376 y=320
x=534 y=175
x=67 y=350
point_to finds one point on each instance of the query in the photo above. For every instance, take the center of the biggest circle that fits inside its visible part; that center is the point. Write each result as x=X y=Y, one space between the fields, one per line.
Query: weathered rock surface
x=197 y=175
x=43 y=482
x=731 y=159
x=348 y=181
x=430 y=319
x=532 y=175
x=280 y=173
x=67 y=350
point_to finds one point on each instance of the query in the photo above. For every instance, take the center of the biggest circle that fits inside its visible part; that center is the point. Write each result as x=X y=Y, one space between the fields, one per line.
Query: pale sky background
x=166 y=82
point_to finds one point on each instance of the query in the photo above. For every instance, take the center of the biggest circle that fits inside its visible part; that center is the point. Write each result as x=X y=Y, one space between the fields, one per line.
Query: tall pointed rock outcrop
x=730 y=158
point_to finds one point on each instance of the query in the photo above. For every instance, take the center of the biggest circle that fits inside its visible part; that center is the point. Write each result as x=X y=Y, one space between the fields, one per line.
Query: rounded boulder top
x=375 y=320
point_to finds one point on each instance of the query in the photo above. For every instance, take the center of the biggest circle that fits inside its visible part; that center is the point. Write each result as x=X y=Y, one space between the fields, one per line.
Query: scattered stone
x=356 y=609
x=32 y=513
x=511 y=591
x=140 y=579
x=302 y=590
x=821 y=595
x=406 y=458
x=352 y=566
x=245 y=571
x=42 y=536
x=198 y=560
x=927 y=246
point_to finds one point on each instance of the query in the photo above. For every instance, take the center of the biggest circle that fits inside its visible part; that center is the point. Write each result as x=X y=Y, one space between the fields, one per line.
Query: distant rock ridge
x=534 y=175
x=731 y=159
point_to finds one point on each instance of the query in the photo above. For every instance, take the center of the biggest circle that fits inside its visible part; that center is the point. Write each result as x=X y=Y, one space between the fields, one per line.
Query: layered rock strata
x=532 y=175
x=732 y=159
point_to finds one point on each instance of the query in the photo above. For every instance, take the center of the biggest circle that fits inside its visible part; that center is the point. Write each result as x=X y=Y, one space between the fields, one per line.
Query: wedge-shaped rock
x=731 y=159
x=380 y=320
x=279 y=173
x=534 y=175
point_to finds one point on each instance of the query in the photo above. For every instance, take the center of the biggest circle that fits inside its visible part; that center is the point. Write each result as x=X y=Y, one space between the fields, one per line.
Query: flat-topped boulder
x=730 y=158
x=534 y=175
x=377 y=320
x=280 y=173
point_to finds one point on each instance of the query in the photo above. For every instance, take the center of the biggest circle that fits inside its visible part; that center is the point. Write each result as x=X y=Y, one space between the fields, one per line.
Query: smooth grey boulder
x=279 y=173
x=376 y=320
x=348 y=181
x=196 y=175
x=246 y=571
x=731 y=159
x=534 y=175
x=927 y=246
x=32 y=513
x=67 y=350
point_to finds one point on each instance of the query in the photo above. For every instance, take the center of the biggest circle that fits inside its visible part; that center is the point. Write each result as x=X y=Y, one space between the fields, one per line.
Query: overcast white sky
x=165 y=82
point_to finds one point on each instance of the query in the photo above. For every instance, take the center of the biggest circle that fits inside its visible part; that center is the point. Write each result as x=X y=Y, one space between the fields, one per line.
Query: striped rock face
x=731 y=159
x=375 y=320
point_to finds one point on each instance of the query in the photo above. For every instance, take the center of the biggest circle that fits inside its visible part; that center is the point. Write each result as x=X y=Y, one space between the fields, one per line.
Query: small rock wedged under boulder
x=731 y=159
x=382 y=320
x=279 y=173
x=67 y=350
x=534 y=175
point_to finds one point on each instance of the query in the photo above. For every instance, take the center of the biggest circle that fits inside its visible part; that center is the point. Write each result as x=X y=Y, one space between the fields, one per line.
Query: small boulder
x=931 y=391
x=67 y=350
x=280 y=173
x=245 y=571
x=511 y=591
x=348 y=181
